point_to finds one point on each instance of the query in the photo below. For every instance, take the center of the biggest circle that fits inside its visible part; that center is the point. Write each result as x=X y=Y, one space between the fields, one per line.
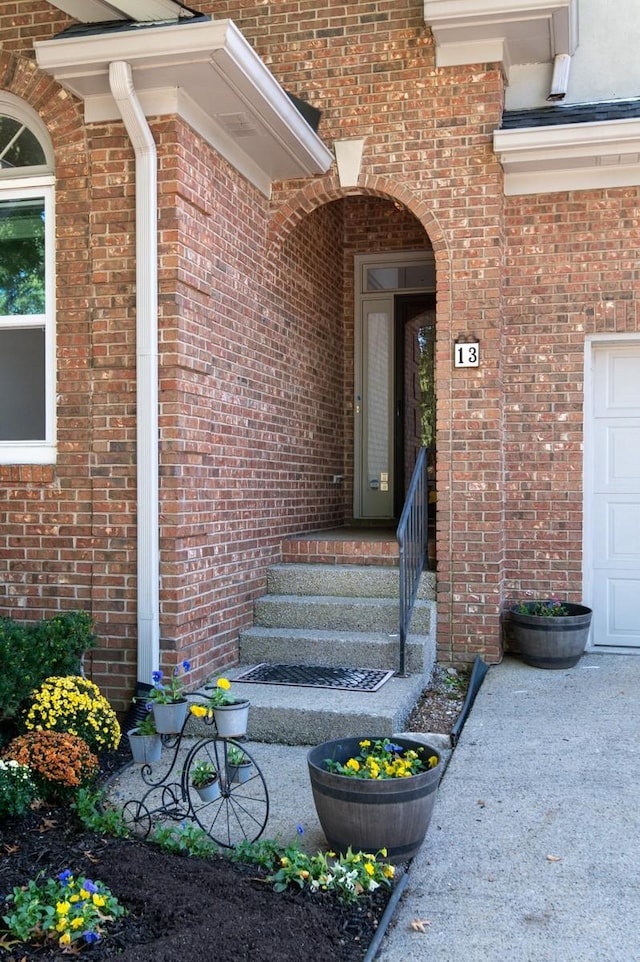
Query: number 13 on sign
x=466 y=355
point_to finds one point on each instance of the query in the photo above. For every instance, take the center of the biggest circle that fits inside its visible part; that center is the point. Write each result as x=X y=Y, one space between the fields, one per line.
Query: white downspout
x=136 y=125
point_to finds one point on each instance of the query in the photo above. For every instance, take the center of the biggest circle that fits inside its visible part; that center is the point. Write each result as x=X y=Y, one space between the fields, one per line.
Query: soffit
x=504 y=31
x=205 y=72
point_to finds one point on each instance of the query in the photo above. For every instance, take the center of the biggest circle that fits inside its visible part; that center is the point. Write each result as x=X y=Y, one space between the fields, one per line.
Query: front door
x=391 y=294
x=612 y=503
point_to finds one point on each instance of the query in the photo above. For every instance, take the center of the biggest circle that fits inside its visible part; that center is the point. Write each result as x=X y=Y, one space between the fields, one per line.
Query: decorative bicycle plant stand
x=238 y=813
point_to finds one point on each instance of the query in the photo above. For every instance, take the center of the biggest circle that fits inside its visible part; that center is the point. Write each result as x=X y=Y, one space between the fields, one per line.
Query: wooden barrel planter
x=371 y=814
x=551 y=642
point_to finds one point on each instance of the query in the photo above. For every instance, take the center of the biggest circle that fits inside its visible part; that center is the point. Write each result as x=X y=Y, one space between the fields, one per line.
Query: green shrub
x=31 y=651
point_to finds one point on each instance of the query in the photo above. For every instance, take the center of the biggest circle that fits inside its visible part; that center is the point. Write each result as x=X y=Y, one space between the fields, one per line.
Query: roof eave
x=209 y=74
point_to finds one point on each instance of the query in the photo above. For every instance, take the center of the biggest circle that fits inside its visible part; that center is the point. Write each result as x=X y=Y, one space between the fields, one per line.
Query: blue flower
x=300 y=829
x=89 y=886
x=64 y=877
x=186 y=665
x=91 y=936
x=156 y=677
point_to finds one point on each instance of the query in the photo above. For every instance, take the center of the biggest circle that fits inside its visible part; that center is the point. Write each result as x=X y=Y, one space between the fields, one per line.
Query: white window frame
x=21 y=184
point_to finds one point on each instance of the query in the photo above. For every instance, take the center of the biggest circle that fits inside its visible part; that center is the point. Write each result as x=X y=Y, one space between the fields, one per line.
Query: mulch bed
x=181 y=908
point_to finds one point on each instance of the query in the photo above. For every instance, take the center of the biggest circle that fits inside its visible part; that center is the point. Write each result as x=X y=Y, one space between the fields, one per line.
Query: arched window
x=27 y=334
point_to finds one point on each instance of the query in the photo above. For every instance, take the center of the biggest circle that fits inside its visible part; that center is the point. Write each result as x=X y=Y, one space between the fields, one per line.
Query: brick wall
x=257 y=342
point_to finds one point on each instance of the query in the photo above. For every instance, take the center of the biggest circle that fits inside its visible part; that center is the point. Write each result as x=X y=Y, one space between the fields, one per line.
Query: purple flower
x=89 y=886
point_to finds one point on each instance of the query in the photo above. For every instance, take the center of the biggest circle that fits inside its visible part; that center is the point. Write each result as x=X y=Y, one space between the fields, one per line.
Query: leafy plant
x=552 y=608
x=62 y=908
x=92 y=812
x=346 y=876
x=383 y=759
x=146 y=726
x=17 y=788
x=169 y=692
x=184 y=839
x=203 y=773
x=74 y=704
x=60 y=763
x=32 y=651
x=235 y=756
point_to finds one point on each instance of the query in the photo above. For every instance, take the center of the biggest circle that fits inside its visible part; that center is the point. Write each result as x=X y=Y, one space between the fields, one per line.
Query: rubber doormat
x=314 y=676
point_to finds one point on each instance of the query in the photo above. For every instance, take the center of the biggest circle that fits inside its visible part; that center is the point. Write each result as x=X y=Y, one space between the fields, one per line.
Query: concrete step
x=338 y=613
x=306 y=646
x=347 y=581
x=292 y=715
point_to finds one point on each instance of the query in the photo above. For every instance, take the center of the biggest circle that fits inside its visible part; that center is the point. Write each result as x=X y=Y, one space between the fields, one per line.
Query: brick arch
x=318 y=193
x=57 y=109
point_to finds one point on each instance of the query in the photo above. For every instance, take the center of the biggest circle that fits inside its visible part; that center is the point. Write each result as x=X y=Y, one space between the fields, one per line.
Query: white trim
x=501 y=31
x=569 y=156
x=44 y=451
x=593 y=341
x=11 y=106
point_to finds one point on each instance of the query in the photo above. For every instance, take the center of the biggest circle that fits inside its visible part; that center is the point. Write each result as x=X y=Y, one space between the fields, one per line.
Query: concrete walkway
x=533 y=853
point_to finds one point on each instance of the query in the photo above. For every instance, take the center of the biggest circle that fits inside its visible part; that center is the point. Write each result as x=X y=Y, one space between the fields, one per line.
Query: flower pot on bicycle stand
x=208 y=792
x=231 y=720
x=144 y=748
x=169 y=718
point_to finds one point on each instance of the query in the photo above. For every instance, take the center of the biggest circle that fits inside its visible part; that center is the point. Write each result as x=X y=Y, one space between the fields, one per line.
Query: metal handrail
x=412 y=542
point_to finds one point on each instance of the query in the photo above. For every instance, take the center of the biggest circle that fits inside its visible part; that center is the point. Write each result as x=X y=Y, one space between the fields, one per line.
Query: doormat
x=314 y=676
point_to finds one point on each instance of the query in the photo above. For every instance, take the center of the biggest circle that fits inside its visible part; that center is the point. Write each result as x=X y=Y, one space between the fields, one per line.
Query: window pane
x=401 y=278
x=22 y=257
x=22 y=379
x=18 y=146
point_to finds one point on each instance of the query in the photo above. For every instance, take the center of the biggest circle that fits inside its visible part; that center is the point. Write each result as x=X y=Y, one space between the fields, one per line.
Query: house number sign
x=467 y=354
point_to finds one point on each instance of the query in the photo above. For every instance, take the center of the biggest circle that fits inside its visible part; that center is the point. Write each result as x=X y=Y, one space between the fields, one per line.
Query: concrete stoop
x=333 y=615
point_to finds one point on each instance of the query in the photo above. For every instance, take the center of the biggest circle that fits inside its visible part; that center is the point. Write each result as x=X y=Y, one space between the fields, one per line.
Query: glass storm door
x=374 y=409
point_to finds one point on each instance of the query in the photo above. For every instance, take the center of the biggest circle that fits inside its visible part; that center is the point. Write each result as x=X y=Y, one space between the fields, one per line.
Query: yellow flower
x=62 y=924
x=369 y=868
x=99 y=900
x=388 y=870
x=65 y=939
x=223 y=683
x=198 y=710
x=365 y=744
x=433 y=761
x=84 y=895
x=76 y=923
x=62 y=908
x=353 y=764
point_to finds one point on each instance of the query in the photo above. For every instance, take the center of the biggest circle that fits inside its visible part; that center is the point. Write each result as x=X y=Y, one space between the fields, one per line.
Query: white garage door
x=613 y=496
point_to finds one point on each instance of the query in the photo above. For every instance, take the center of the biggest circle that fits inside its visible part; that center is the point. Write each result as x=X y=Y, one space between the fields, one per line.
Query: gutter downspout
x=148 y=561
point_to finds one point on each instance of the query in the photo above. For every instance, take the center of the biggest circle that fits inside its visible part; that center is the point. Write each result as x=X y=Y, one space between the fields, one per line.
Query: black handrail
x=412 y=541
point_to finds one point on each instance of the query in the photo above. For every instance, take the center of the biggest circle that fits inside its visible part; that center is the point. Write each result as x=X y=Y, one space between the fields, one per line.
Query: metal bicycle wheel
x=137 y=818
x=241 y=810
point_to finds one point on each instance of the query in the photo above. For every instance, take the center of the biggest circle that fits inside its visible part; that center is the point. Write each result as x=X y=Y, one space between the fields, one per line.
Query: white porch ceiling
x=207 y=73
